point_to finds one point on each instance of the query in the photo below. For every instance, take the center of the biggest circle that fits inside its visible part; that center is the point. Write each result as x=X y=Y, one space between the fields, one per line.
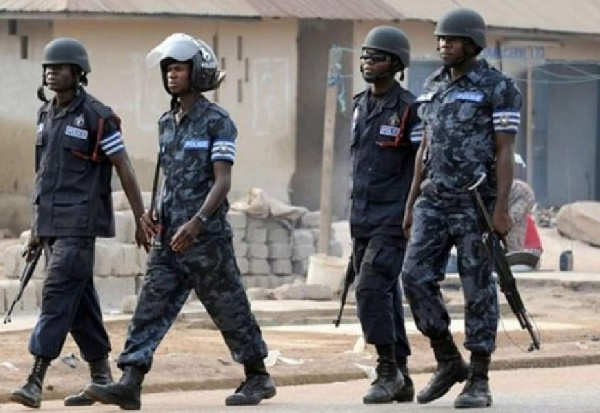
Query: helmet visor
x=178 y=46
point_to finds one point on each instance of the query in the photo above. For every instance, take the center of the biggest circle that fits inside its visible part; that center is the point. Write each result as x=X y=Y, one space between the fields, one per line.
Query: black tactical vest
x=383 y=162
x=72 y=194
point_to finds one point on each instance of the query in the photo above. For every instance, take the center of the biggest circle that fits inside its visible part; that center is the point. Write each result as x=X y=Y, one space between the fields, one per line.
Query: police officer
x=470 y=113
x=78 y=142
x=385 y=136
x=193 y=245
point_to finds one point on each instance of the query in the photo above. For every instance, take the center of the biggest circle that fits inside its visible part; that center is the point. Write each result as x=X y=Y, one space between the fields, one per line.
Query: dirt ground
x=194 y=358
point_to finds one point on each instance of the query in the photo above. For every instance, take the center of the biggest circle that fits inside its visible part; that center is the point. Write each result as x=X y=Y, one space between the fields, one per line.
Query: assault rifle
x=348 y=280
x=152 y=208
x=152 y=211
x=25 y=277
x=495 y=246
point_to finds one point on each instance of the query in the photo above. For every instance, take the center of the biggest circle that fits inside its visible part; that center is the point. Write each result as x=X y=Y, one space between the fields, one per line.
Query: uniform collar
x=79 y=97
x=475 y=73
x=196 y=110
x=198 y=107
x=391 y=96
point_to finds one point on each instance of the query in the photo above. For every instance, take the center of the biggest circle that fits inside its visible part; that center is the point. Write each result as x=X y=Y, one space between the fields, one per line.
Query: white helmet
x=182 y=47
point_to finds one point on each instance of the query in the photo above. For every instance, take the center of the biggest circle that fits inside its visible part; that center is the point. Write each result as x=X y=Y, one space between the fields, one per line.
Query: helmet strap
x=83 y=79
x=41 y=95
x=469 y=49
x=395 y=67
x=174 y=102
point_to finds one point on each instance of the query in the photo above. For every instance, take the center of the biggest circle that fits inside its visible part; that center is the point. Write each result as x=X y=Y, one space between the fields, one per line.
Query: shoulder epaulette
x=407 y=97
x=216 y=108
x=356 y=98
x=163 y=116
x=100 y=108
x=358 y=95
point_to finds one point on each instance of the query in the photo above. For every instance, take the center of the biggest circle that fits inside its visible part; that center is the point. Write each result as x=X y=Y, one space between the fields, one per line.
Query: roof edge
x=112 y=15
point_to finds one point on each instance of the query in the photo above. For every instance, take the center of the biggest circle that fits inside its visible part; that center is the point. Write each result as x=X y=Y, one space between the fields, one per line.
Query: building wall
x=259 y=92
x=423 y=46
x=19 y=79
x=316 y=37
x=562 y=114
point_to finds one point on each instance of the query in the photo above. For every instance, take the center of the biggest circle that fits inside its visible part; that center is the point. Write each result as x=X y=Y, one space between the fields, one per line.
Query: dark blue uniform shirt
x=72 y=194
x=385 y=135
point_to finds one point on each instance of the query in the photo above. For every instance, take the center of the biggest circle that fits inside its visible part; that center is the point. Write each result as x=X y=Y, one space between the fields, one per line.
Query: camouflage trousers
x=209 y=268
x=438 y=224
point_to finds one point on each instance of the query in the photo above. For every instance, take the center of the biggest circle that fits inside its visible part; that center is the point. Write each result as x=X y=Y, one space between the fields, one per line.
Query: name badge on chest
x=469 y=96
x=76 y=132
x=387 y=130
x=196 y=144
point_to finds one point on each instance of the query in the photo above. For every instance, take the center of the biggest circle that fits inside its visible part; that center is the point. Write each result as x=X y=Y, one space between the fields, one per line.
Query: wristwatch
x=202 y=218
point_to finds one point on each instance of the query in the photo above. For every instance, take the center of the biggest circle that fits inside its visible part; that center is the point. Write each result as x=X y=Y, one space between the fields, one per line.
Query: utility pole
x=529 y=113
x=328 y=150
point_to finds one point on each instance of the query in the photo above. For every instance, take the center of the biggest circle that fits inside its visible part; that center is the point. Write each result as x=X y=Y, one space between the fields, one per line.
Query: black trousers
x=378 y=263
x=70 y=302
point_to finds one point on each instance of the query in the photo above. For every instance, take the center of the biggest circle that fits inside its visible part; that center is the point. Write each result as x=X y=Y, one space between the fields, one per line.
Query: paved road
x=572 y=389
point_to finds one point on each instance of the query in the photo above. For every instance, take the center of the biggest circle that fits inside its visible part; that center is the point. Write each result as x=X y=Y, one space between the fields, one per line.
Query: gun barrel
x=348 y=280
x=495 y=246
x=24 y=280
x=154 y=186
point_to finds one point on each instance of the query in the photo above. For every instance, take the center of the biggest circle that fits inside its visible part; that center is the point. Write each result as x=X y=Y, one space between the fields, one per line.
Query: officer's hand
x=141 y=237
x=148 y=225
x=501 y=221
x=33 y=242
x=186 y=234
x=407 y=222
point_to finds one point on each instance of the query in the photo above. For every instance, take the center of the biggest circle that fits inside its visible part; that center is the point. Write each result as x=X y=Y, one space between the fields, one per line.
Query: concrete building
x=275 y=54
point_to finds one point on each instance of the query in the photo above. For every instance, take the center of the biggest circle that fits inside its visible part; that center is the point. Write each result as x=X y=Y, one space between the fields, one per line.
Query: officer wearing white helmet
x=192 y=247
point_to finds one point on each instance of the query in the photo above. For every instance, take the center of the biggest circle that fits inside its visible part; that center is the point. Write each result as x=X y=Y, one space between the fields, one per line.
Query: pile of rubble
x=271 y=253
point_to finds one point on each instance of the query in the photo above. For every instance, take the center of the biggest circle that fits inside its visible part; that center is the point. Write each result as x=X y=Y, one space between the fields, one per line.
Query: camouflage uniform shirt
x=205 y=135
x=460 y=119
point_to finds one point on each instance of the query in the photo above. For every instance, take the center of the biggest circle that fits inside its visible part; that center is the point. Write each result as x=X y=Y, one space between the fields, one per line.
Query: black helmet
x=181 y=47
x=66 y=50
x=462 y=22
x=390 y=40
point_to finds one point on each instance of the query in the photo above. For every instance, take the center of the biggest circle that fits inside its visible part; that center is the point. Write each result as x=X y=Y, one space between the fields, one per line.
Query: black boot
x=100 y=374
x=257 y=386
x=407 y=392
x=451 y=369
x=125 y=394
x=477 y=391
x=388 y=383
x=30 y=394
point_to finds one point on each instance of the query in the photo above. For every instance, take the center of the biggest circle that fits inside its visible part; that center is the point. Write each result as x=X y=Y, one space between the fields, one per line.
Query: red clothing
x=532 y=238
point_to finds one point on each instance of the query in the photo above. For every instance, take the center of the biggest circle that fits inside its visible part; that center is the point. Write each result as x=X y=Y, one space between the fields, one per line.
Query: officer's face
x=178 y=78
x=59 y=78
x=373 y=63
x=451 y=49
